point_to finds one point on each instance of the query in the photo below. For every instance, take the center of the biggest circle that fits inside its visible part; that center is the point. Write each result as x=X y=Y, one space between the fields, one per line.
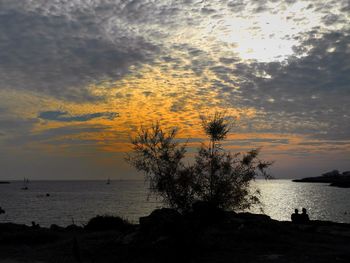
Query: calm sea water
x=78 y=201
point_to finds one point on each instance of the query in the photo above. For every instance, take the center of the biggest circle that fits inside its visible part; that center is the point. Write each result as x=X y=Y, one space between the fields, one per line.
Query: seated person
x=295 y=216
x=304 y=217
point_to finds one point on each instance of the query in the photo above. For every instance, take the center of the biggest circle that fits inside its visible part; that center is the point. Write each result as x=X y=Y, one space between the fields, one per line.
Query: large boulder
x=106 y=223
x=164 y=220
x=207 y=212
x=257 y=218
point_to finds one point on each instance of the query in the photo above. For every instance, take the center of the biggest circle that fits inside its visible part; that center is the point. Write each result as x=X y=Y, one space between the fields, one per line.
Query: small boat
x=25 y=183
x=108 y=181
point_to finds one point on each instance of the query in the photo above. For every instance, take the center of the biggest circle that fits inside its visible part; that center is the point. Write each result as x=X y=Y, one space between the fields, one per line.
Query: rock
x=73 y=228
x=254 y=217
x=164 y=220
x=129 y=238
x=257 y=239
x=55 y=227
x=272 y=257
x=104 y=223
x=342 y=184
x=207 y=212
x=332 y=177
x=331 y=173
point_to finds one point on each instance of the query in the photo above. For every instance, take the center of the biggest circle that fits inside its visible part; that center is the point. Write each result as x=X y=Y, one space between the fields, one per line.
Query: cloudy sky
x=78 y=78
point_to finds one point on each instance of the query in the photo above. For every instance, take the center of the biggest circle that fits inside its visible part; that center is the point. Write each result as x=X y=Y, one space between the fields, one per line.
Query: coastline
x=166 y=236
x=277 y=197
x=333 y=178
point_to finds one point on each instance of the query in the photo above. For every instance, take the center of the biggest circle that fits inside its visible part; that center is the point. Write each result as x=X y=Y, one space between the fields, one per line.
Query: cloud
x=307 y=93
x=58 y=48
x=63 y=116
x=25 y=140
x=256 y=142
x=61 y=55
x=172 y=60
x=69 y=130
x=236 y=5
x=20 y=132
x=10 y=127
x=65 y=47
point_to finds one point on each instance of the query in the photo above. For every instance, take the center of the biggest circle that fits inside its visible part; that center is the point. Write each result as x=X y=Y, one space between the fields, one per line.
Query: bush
x=104 y=223
x=217 y=177
x=160 y=157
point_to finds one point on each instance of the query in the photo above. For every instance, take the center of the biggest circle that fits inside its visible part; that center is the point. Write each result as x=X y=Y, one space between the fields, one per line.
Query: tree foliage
x=217 y=176
x=160 y=157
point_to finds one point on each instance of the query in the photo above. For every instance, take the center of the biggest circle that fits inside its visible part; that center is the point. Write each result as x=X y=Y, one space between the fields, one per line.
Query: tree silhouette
x=217 y=176
x=160 y=157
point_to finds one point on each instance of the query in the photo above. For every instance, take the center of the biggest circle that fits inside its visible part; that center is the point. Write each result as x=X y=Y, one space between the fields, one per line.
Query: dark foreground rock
x=167 y=236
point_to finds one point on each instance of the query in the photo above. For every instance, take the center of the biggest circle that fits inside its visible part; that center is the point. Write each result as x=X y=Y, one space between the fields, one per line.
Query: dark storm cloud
x=59 y=55
x=64 y=116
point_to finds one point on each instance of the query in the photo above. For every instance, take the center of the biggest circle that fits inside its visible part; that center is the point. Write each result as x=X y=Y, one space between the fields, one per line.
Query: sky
x=79 y=77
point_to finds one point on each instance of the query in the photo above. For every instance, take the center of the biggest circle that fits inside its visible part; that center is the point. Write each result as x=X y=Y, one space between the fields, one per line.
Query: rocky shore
x=167 y=236
x=334 y=178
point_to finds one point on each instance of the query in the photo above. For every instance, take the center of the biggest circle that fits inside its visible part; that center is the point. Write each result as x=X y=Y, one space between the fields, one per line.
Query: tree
x=216 y=127
x=160 y=157
x=217 y=176
x=224 y=178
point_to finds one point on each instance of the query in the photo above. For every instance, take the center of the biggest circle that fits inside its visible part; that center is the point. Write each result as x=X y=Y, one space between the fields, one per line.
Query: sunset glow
x=79 y=78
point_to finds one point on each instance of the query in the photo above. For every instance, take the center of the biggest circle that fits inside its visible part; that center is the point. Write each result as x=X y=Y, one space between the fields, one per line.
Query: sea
x=67 y=202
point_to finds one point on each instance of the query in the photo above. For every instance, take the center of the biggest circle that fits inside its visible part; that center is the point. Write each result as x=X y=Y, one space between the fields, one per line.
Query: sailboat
x=25 y=183
x=108 y=181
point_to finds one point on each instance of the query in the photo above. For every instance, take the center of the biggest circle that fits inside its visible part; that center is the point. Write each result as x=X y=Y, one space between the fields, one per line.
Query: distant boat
x=25 y=183
x=108 y=181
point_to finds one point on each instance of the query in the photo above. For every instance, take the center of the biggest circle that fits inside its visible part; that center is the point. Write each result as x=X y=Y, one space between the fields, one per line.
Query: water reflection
x=80 y=200
x=281 y=197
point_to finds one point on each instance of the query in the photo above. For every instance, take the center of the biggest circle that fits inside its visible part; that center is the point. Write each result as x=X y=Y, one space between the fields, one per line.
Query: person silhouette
x=304 y=217
x=295 y=216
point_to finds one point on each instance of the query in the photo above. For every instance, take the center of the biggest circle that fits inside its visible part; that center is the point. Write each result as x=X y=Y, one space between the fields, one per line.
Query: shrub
x=103 y=223
x=217 y=176
x=160 y=157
